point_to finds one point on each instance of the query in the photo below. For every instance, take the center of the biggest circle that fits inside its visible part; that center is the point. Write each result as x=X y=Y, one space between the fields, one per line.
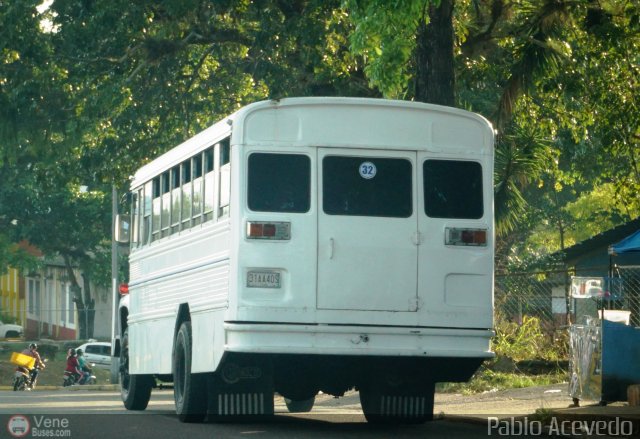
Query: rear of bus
x=363 y=254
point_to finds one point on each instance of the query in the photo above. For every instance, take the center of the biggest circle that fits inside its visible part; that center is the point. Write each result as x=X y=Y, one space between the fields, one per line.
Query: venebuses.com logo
x=40 y=426
x=614 y=427
x=18 y=426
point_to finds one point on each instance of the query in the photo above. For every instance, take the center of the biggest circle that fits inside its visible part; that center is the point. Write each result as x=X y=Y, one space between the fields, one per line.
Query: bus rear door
x=367 y=227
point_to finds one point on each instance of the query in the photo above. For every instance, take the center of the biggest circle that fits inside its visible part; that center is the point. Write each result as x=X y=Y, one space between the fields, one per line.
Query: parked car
x=98 y=353
x=8 y=330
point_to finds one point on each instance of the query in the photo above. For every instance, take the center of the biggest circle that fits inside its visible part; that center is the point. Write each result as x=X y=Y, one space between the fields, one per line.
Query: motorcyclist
x=32 y=351
x=84 y=366
x=73 y=367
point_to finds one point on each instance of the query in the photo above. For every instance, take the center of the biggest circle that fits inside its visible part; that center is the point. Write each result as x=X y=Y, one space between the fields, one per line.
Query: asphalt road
x=100 y=414
x=86 y=413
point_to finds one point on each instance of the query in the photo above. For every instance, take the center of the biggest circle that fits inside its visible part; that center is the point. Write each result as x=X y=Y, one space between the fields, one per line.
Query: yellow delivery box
x=22 y=360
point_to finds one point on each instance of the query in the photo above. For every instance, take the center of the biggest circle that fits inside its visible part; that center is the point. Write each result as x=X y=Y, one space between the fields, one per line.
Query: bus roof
x=328 y=121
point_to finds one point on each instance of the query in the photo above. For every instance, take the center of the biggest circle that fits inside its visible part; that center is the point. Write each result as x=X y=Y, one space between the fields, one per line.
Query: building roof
x=604 y=239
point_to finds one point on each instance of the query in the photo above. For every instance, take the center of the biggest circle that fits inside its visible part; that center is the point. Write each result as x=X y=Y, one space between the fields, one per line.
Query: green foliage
x=101 y=88
x=7 y=317
x=49 y=351
x=527 y=341
x=557 y=80
x=384 y=36
x=515 y=343
x=486 y=380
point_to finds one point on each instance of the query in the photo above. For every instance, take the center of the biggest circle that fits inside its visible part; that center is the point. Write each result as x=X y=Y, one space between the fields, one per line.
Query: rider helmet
x=33 y=346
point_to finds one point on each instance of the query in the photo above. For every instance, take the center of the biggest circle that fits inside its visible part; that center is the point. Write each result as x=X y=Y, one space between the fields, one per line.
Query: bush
x=7 y=318
x=48 y=351
x=528 y=341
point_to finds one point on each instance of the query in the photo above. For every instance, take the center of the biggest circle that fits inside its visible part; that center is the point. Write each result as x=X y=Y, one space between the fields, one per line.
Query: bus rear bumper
x=272 y=338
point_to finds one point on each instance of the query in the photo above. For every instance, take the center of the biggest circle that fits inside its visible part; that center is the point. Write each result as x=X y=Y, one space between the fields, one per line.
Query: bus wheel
x=135 y=390
x=384 y=405
x=189 y=390
x=302 y=406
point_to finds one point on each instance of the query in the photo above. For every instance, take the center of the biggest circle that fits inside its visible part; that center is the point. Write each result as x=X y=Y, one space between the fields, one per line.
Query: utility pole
x=115 y=361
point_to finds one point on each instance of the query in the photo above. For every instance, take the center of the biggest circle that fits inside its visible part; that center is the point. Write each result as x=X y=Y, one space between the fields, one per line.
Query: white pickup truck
x=8 y=330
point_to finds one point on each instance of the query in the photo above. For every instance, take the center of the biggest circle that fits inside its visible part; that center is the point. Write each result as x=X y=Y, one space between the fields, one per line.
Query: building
x=12 y=300
x=51 y=310
x=42 y=301
x=591 y=257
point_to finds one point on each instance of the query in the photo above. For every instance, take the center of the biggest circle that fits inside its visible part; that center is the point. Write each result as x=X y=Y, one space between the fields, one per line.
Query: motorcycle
x=25 y=379
x=70 y=378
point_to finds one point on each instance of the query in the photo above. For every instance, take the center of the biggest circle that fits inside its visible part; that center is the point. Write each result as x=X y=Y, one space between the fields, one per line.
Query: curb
x=99 y=387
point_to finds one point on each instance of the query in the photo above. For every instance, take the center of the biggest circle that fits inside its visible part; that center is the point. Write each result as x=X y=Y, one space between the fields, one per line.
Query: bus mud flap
x=410 y=406
x=247 y=398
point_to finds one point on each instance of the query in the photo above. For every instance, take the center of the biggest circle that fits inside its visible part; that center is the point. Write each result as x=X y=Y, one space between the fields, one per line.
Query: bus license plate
x=263 y=279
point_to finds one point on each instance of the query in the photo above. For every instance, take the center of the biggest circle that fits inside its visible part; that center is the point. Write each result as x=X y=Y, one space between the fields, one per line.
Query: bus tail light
x=274 y=230
x=466 y=237
x=123 y=289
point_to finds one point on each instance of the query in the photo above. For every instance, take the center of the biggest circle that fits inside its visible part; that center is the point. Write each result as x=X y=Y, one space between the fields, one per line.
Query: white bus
x=312 y=244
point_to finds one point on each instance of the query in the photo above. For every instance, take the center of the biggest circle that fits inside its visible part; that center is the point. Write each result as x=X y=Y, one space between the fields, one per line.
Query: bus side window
x=225 y=177
x=175 y=199
x=196 y=205
x=166 y=203
x=208 y=190
x=136 y=213
x=156 y=204
x=187 y=194
x=146 y=203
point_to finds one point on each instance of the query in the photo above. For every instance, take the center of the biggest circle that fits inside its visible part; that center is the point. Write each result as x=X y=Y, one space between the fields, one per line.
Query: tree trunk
x=90 y=306
x=77 y=298
x=435 y=76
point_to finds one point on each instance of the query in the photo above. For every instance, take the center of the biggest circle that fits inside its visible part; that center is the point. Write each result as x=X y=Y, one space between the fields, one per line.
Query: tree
x=106 y=86
x=29 y=89
x=540 y=71
x=103 y=87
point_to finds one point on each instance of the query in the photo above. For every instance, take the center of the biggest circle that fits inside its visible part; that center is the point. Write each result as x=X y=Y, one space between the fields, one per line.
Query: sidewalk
x=541 y=403
x=544 y=403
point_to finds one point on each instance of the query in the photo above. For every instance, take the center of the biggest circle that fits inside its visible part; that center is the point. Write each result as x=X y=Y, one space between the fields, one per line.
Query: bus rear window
x=453 y=189
x=363 y=186
x=279 y=183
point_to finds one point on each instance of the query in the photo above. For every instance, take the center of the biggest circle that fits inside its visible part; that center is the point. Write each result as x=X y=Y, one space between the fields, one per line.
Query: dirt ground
x=540 y=401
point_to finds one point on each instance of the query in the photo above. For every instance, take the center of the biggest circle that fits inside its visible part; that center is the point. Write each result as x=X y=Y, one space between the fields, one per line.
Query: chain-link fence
x=546 y=296
x=629 y=299
x=539 y=294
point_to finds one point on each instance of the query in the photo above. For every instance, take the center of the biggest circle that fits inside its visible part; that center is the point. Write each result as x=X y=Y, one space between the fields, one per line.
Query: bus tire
x=301 y=406
x=382 y=405
x=135 y=390
x=189 y=389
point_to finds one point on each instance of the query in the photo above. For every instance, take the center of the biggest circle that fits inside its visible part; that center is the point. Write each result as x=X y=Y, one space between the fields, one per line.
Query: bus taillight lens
x=279 y=231
x=123 y=289
x=466 y=237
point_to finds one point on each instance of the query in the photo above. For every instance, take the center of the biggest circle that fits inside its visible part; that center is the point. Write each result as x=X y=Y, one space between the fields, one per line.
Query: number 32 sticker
x=367 y=170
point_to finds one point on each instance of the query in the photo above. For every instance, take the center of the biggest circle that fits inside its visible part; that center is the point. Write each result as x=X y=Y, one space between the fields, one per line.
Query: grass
x=487 y=380
x=51 y=375
x=484 y=380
